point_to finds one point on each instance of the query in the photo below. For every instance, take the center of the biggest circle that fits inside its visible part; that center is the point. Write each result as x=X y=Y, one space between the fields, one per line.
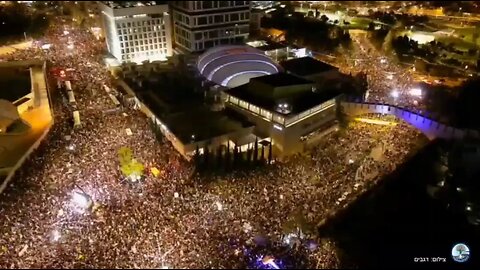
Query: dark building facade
x=200 y=25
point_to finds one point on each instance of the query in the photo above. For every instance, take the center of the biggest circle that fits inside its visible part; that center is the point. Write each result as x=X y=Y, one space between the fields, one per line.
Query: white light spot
x=395 y=94
x=56 y=235
x=219 y=206
x=80 y=200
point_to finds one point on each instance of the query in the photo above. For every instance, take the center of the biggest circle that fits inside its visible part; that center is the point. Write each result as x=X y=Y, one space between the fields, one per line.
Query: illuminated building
x=137 y=31
x=288 y=109
x=8 y=115
x=200 y=25
x=278 y=51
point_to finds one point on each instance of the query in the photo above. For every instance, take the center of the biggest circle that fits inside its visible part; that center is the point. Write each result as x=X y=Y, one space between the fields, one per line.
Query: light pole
x=234 y=33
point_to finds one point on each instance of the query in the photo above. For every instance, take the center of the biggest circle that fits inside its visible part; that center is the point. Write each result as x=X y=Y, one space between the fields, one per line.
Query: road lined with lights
x=388 y=82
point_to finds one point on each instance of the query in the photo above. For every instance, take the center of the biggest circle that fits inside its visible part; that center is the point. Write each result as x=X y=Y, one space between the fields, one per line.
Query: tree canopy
x=129 y=166
x=17 y=19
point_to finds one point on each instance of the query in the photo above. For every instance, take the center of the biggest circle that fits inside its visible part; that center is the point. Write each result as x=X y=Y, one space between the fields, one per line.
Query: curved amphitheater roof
x=233 y=65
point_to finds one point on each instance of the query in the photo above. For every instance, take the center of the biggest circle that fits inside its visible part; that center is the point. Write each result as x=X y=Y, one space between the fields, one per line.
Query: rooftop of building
x=281 y=79
x=171 y=96
x=129 y=4
x=306 y=66
x=204 y=124
x=15 y=82
x=298 y=101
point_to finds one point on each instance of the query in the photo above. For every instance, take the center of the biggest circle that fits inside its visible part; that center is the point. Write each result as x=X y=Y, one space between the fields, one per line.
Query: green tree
x=196 y=157
x=125 y=155
x=270 y=154
x=235 y=156
x=255 y=151
x=263 y=153
x=227 y=156
x=219 y=156
x=129 y=167
x=206 y=157
x=342 y=118
x=133 y=169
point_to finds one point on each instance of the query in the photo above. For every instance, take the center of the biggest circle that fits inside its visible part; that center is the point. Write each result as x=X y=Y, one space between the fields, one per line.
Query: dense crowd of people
x=388 y=81
x=177 y=219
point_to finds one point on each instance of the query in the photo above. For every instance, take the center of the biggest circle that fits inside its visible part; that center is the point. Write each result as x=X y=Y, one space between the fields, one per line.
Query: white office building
x=137 y=31
x=200 y=25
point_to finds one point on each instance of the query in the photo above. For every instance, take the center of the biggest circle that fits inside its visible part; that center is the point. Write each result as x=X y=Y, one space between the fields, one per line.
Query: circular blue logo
x=460 y=252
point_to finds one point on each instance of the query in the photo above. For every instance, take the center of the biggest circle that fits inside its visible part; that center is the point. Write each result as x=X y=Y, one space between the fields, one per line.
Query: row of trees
x=223 y=159
x=18 y=19
x=405 y=45
x=308 y=32
x=129 y=166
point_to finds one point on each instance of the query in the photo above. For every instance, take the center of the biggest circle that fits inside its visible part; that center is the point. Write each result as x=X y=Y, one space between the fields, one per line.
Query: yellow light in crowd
x=375 y=121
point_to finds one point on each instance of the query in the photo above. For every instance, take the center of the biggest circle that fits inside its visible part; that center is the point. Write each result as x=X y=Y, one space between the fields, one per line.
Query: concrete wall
x=22 y=160
x=292 y=134
x=431 y=128
x=287 y=140
x=185 y=149
x=25 y=106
